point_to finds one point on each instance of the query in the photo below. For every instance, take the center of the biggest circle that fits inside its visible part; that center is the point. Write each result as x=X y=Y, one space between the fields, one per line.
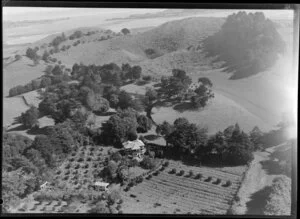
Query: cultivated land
x=170 y=193
x=258 y=100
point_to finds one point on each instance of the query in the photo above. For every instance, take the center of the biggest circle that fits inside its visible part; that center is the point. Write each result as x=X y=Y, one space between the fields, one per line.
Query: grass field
x=174 y=194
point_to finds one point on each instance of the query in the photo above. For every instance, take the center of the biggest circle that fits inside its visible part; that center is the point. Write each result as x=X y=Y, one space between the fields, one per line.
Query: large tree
x=30 y=118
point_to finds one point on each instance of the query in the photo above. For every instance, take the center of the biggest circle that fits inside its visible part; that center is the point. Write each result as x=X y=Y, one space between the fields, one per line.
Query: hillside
x=178 y=45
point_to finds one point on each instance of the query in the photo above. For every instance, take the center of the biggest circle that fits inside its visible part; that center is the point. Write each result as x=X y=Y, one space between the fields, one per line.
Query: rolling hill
x=256 y=100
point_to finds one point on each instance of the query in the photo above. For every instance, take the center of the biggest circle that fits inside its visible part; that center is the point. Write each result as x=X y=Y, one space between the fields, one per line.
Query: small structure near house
x=101 y=186
x=135 y=148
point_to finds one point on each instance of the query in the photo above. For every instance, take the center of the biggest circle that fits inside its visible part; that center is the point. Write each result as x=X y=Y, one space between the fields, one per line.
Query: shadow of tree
x=271 y=167
x=104 y=114
x=37 y=131
x=185 y=106
x=258 y=201
x=151 y=137
x=21 y=127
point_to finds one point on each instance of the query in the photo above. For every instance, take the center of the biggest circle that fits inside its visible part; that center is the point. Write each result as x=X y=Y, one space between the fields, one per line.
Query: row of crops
x=186 y=190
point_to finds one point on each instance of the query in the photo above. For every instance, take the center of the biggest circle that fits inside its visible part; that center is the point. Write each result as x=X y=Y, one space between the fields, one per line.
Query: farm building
x=134 y=148
x=101 y=186
x=44 y=185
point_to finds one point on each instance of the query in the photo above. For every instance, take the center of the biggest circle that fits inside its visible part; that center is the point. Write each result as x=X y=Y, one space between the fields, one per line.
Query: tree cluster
x=58 y=40
x=248 y=43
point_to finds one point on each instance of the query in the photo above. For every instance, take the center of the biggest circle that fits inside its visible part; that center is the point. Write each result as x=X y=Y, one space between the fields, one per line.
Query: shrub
x=71 y=159
x=191 y=173
x=217 y=182
x=147 y=78
x=18 y=57
x=181 y=173
x=80 y=159
x=173 y=171
x=198 y=176
x=208 y=179
x=227 y=184
x=166 y=164
x=148 y=163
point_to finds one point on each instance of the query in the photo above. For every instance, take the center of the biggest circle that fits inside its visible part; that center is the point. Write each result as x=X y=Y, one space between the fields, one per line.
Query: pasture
x=182 y=189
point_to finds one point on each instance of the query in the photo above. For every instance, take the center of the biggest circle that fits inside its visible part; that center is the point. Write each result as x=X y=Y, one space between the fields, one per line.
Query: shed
x=103 y=186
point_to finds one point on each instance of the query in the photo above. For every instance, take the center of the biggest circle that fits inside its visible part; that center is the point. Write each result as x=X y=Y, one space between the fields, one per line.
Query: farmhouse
x=134 y=148
x=101 y=186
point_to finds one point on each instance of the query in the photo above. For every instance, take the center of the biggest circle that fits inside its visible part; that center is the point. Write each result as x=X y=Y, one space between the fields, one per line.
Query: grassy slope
x=257 y=100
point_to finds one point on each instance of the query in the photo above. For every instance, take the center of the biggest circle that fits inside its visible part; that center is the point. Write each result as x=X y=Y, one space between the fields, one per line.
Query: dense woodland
x=248 y=43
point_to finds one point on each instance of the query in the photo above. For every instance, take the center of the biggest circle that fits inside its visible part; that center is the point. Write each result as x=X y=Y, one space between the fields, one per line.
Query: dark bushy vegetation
x=30 y=118
x=248 y=43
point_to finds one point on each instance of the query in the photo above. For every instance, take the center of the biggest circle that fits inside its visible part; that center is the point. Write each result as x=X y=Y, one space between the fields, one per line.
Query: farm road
x=256 y=179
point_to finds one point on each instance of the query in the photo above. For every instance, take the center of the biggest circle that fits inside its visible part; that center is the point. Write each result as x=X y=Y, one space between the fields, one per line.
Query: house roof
x=44 y=184
x=101 y=184
x=133 y=145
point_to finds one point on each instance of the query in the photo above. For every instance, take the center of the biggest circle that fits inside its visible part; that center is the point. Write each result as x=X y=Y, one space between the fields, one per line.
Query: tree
x=144 y=123
x=252 y=43
x=136 y=72
x=125 y=31
x=125 y=100
x=45 y=56
x=187 y=137
x=30 y=118
x=49 y=69
x=164 y=129
x=100 y=208
x=203 y=93
x=46 y=81
x=36 y=84
x=117 y=129
x=43 y=145
x=150 y=100
x=18 y=57
x=96 y=102
x=57 y=70
x=31 y=53
x=256 y=137
x=48 y=105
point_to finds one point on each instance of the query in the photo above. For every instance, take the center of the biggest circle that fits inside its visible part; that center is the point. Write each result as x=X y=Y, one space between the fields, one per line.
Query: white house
x=102 y=186
x=136 y=148
x=44 y=185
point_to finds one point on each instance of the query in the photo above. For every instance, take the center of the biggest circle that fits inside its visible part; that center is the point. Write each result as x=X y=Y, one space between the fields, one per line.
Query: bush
x=227 y=184
x=208 y=179
x=198 y=176
x=18 y=57
x=173 y=171
x=217 y=182
x=148 y=163
x=191 y=173
x=166 y=164
x=181 y=173
x=147 y=78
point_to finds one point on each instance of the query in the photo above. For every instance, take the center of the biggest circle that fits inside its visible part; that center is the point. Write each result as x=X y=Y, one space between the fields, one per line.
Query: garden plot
x=77 y=171
x=182 y=189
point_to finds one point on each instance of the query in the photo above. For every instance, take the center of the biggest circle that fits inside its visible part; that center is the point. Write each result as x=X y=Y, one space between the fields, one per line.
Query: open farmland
x=170 y=193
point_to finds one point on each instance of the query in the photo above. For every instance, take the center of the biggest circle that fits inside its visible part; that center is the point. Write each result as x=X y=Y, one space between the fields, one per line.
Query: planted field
x=32 y=206
x=77 y=170
x=183 y=189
